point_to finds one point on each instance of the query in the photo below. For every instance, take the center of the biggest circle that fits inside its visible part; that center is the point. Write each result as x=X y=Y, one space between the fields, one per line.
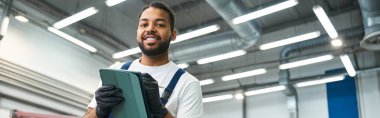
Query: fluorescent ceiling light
x=179 y=38
x=217 y=98
x=348 y=65
x=336 y=42
x=265 y=11
x=206 y=82
x=291 y=40
x=239 y=96
x=22 y=18
x=196 y=33
x=265 y=90
x=320 y=81
x=306 y=62
x=76 y=17
x=111 y=3
x=4 y=26
x=325 y=21
x=184 y=65
x=126 y=53
x=221 y=57
x=72 y=39
x=244 y=74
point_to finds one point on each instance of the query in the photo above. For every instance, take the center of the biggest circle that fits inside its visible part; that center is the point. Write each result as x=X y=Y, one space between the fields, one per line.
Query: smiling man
x=154 y=33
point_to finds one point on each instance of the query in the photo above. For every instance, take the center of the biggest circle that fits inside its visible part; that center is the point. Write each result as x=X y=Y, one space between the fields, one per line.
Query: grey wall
x=37 y=49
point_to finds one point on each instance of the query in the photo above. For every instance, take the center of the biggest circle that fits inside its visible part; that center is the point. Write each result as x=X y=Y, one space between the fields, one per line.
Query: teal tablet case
x=130 y=82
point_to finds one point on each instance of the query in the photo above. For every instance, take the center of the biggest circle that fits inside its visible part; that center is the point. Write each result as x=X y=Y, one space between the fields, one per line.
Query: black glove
x=107 y=97
x=153 y=97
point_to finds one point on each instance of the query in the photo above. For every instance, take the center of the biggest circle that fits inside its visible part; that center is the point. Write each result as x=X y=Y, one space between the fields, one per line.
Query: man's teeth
x=150 y=38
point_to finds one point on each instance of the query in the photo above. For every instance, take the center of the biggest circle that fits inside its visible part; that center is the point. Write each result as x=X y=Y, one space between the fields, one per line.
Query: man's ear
x=174 y=35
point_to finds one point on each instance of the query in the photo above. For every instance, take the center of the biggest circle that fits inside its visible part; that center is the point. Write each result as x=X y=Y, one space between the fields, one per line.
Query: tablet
x=134 y=104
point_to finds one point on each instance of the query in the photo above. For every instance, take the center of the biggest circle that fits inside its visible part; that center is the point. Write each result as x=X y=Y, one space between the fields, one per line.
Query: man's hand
x=107 y=97
x=153 y=97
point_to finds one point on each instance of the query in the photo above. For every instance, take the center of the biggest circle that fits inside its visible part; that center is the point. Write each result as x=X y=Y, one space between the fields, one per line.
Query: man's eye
x=160 y=25
x=143 y=25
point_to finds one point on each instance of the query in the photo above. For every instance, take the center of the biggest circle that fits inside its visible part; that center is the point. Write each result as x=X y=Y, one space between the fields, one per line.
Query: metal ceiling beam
x=281 y=25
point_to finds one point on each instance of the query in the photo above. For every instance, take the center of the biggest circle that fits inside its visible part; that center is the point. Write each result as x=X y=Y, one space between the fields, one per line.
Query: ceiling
x=119 y=22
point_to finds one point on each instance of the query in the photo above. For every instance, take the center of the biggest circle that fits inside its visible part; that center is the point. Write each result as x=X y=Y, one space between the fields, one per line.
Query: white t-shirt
x=186 y=99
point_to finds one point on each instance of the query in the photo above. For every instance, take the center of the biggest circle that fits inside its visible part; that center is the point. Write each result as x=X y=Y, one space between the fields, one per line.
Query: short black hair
x=164 y=7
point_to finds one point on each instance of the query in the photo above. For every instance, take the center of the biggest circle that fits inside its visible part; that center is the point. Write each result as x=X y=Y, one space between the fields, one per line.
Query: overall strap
x=169 y=89
x=126 y=65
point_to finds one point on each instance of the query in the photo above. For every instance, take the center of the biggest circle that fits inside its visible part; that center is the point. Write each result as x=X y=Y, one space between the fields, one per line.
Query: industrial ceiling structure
x=110 y=33
x=113 y=29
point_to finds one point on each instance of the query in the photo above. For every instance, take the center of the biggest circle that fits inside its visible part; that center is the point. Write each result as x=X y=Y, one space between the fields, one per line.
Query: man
x=154 y=33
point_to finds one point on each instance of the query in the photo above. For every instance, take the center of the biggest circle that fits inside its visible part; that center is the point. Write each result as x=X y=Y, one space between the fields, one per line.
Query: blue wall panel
x=341 y=98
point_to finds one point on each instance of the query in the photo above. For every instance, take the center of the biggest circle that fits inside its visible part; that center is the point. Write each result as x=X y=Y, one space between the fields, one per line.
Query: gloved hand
x=107 y=97
x=153 y=96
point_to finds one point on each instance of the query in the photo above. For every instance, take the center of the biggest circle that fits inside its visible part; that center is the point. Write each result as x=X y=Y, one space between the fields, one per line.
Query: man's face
x=153 y=32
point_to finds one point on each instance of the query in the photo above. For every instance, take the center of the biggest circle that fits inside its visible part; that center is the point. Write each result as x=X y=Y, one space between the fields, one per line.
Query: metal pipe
x=6 y=13
x=244 y=107
x=244 y=36
x=284 y=75
x=371 y=18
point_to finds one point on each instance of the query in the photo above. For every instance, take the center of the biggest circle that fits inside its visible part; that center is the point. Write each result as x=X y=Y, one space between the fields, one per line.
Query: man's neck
x=154 y=60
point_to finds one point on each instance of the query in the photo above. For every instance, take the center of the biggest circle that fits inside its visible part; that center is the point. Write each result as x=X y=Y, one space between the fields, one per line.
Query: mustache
x=150 y=35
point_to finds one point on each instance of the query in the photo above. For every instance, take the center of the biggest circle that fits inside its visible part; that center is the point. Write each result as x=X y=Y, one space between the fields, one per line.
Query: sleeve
x=93 y=104
x=190 y=104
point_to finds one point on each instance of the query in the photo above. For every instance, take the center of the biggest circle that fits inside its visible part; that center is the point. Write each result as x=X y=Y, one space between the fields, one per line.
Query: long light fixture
x=265 y=11
x=179 y=38
x=126 y=53
x=111 y=3
x=4 y=26
x=72 y=39
x=217 y=98
x=76 y=17
x=320 y=81
x=222 y=57
x=325 y=21
x=244 y=74
x=348 y=65
x=206 y=82
x=291 y=40
x=306 y=61
x=265 y=90
x=196 y=33
x=21 y=18
x=183 y=65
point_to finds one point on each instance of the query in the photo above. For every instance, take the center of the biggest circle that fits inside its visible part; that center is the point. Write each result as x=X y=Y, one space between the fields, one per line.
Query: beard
x=159 y=50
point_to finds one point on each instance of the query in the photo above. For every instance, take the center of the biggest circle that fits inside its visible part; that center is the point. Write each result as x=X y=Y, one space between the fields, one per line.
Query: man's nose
x=151 y=29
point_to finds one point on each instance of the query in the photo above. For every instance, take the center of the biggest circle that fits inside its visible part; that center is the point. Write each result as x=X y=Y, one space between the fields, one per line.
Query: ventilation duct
x=244 y=36
x=284 y=75
x=371 y=18
x=4 y=19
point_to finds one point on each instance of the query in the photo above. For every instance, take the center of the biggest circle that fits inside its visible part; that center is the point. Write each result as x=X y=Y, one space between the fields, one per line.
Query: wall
x=35 y=48
x=369 y=94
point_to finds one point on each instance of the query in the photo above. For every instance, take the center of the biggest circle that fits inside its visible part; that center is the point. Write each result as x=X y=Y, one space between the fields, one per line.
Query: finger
x=110 y=101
